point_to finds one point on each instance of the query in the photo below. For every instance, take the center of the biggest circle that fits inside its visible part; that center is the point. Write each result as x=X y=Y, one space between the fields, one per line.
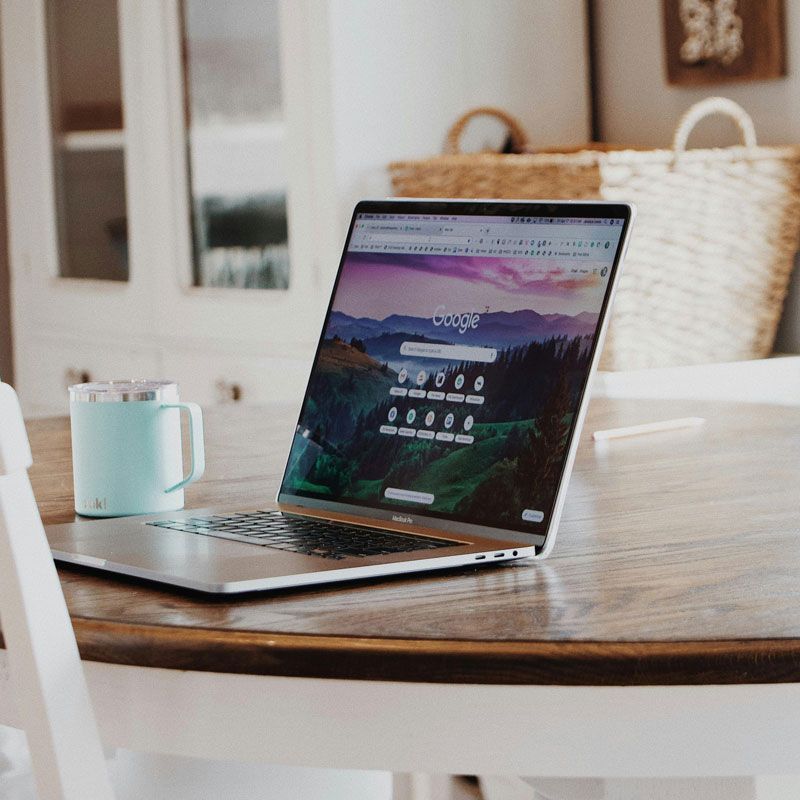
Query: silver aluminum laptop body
x=432 y=297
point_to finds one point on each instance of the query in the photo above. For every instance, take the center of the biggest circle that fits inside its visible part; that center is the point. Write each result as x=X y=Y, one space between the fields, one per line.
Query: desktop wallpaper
x=473 y=440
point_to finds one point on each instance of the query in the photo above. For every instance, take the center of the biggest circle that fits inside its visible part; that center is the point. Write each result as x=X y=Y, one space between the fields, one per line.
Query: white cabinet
x=53 y=364
x=135 y=226
x=221 y=378
x=161 y=155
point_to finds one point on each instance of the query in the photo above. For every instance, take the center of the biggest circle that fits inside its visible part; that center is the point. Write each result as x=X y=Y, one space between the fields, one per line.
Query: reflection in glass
x=88 y=137
x=236 y=144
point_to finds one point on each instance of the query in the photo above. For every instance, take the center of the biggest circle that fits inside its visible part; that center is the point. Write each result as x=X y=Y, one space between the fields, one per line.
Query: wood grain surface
x=678 y=562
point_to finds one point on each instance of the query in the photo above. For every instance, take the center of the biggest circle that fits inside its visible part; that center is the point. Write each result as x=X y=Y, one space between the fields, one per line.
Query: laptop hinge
x=369 y=522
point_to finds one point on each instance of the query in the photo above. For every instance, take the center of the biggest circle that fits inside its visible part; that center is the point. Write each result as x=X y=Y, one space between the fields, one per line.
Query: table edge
x=417 y=660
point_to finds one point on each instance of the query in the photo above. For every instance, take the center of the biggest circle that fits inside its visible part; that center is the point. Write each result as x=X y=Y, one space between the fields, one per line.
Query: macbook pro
x=442 y=412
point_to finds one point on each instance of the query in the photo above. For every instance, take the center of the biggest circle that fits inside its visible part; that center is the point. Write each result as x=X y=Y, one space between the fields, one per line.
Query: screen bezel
x=500 y=208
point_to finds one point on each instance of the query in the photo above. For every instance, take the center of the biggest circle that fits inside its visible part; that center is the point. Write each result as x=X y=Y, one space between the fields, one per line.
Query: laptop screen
x=452 y=363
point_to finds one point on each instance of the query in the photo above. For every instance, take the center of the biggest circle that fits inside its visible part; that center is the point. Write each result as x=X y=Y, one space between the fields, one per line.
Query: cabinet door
x=53 y=364
x=231 y=378
x=228 y=223
x=67 y=165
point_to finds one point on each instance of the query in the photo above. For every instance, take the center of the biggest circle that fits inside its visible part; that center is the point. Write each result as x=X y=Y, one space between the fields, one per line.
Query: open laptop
x=442 y=412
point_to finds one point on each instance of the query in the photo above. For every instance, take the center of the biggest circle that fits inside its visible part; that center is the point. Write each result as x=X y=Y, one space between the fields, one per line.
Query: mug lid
x=124 y=391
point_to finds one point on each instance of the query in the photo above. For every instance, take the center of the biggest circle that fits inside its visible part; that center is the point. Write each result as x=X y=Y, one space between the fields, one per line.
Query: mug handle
x=196 y=444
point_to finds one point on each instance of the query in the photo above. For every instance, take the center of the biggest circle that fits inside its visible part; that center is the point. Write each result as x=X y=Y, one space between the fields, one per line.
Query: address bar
x=391 y=238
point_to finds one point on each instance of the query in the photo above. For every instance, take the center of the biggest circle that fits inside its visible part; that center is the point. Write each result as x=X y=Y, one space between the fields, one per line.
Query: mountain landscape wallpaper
x=514 y=426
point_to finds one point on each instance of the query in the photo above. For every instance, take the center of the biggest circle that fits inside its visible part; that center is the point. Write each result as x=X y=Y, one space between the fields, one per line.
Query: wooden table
x=662 y=637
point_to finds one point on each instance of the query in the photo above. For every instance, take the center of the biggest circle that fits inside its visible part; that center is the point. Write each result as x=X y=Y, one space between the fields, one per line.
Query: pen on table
x=648 y=427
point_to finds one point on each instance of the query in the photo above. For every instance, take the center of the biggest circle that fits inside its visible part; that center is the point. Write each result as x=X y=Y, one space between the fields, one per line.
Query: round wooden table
x=661 y=638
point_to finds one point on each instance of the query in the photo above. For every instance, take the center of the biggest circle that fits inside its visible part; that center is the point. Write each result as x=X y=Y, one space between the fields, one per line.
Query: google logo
x=463 y=322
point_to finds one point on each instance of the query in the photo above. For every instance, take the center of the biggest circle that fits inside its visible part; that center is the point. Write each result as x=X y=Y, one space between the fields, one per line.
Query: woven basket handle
x=452 y=144
x=707 y=107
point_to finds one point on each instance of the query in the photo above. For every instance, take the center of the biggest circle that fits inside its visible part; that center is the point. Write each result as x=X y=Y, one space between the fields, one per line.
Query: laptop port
x=499 y=555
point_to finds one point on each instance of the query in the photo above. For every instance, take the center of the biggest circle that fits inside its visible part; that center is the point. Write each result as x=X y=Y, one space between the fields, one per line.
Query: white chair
x=52 y=696
x=51 y=692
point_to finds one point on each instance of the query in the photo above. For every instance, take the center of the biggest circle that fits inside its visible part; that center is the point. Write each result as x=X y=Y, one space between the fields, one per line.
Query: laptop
x=442 y=412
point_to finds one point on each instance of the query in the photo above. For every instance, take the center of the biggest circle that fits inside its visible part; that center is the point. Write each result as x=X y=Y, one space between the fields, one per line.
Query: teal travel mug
x=126 y=447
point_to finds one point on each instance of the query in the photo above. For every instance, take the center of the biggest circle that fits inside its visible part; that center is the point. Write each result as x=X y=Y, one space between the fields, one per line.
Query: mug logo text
x=95 y=504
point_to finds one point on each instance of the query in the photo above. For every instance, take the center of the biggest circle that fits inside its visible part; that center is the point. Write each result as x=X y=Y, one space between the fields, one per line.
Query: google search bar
x=455 y=352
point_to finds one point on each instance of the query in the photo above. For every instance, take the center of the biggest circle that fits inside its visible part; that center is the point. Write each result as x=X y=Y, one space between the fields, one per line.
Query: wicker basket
x=712 y=249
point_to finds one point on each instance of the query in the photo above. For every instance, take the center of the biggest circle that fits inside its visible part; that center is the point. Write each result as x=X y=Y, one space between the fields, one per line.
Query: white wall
x=638 y=107
x=404 y=70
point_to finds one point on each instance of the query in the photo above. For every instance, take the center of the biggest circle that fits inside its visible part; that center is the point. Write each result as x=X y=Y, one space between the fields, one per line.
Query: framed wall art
x=716 y=41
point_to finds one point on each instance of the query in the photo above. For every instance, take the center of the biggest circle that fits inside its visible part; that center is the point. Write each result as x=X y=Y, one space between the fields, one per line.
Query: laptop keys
x=300 y=535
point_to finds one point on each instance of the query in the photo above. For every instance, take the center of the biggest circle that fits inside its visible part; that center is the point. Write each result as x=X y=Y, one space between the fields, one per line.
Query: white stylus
x=648 y=427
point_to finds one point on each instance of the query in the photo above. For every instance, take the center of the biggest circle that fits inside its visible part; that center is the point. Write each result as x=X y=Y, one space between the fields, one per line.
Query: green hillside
x=347 y=382
x=456 y=475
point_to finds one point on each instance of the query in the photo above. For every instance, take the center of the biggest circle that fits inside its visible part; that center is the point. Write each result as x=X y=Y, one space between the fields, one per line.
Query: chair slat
x=46 y=671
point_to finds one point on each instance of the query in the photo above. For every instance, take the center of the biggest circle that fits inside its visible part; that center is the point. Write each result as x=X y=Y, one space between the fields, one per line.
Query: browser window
x=452 y=364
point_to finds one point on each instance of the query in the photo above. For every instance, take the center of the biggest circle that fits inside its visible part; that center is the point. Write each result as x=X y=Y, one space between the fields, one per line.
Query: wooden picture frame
x=702 y=47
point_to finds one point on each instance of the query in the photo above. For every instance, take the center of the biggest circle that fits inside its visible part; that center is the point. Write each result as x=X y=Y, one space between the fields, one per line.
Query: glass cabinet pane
x=236 y=143
x=88 y=136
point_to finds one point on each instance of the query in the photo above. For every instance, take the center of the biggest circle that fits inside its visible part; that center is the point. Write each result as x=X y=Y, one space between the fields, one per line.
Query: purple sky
x=377 y=285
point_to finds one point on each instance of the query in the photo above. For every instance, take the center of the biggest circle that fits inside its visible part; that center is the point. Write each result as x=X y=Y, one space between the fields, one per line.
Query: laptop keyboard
x=311 y=537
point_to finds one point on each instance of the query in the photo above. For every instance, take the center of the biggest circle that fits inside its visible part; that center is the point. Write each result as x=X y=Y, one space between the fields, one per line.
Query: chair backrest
x=51 y=693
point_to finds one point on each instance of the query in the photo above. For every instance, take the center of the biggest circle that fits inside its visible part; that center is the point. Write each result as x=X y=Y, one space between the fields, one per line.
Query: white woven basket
x=712 y=249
